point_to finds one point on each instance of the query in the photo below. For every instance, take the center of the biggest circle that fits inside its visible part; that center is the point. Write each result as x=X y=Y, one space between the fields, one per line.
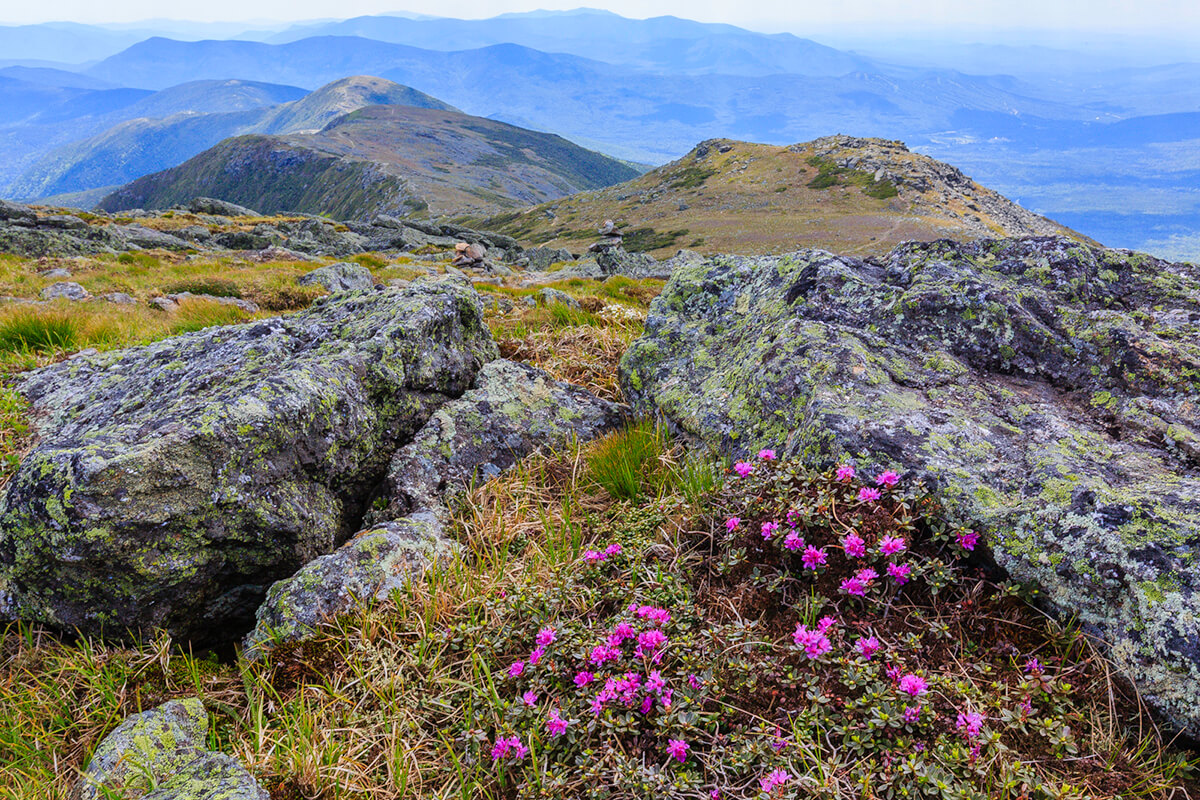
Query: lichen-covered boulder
x=156 y=742
x=66 y=290
x=512 y=410
x=339 y=277
x=548 y=296
x=1049 y=389
x=172 y=483
x=369 y=566
x=161 y=754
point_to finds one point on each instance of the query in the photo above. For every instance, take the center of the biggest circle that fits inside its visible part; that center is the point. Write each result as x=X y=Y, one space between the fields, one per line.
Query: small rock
x=163 y=303
x=65 y=290
x=248 y=306
x=57 y=272
x=120 y=298
x=340 y=277
x=275 y=253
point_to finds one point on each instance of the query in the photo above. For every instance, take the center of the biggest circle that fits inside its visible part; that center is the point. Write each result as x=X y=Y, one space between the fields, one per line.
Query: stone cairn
x=610 y=237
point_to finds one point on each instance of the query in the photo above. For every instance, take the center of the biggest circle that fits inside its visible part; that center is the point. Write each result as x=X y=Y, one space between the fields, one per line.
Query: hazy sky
x=1171 y=17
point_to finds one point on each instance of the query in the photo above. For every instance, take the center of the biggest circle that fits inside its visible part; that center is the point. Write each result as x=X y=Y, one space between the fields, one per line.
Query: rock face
x=512 y=410
x=161 y=754
x=370 y=565
x=1049 y=389
x=340 y=277
x=173 y=483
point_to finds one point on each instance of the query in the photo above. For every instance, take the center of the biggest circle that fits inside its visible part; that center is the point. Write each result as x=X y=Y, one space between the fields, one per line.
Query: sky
x=1173 y=17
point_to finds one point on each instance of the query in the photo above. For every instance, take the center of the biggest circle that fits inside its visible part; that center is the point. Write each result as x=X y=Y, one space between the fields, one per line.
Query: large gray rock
x=1048 y=388
x=173 y=483
x=65 y=290
x=16 y=212
x=249 y=306
x=339 y=277
x=542 y=258
x=223 y=208
x=160 y=754
x=139 y=236
x=369 y=566
x=512 y=410
x=617 y=261
x=548 y=296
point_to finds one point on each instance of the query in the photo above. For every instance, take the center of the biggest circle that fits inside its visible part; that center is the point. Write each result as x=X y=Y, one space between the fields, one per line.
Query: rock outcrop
x=161 y=754
x=339 y=277
x=173 y=483
x=1047 y=388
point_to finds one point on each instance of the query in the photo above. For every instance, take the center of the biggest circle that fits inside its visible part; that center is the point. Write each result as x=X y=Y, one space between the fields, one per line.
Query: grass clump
x=643 y=240
x=52 y=329
x=629 y=464
x=216 y=287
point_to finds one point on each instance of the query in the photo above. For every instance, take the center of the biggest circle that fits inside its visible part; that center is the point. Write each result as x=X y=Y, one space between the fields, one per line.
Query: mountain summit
x=840 y=193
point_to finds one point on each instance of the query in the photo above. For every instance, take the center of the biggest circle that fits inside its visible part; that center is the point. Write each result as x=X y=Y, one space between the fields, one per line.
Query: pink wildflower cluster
x=970 y=723
x=888 y=479
x=632 y=691
x=815 y=643
x=814 y=557
x=867 y=647
x=656 y=615
x=901 y=573
x=743 y=468
x=766 y=455
x=858 y=584
x=913 y=685
x=769 y=529
x=555 y=724
x=677 y=749
x=793 y=541
x=596 y=556
x=967 y=539
x=868 y=495
x=853 y=545
x=845 y=473
x=509 y=747
x=773 y=780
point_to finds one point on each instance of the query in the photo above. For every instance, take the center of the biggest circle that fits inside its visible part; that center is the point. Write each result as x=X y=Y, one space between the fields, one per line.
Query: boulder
x=161 y=754
x=548 y=296
x=542 y=258
x=172 y=483
x=339 y=277
x=512 y=410
x=66 y=290
x=119 y=298
x=1026 y=379
x=66 y=222
x=249 y=306
x=147 y=238
x=222 y=208
x=16 y=212
x=617 y=261
x=369 y=566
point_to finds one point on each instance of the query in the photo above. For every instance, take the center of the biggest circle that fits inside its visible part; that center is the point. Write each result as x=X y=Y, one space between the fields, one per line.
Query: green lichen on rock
x=172 y=498
x=369 y=566
x=161 y=754
x=1042 y=397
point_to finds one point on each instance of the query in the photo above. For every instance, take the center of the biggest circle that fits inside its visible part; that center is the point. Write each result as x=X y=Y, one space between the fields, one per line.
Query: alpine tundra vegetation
x=396 y=508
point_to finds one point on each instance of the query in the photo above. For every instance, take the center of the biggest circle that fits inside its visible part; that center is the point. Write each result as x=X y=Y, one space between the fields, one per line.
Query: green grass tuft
x=629 y=465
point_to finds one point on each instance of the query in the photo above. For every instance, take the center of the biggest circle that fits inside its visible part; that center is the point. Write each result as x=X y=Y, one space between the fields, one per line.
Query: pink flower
x=677 y=749
x=891 y=545
x=732 y=523
x=536 y=656
x=584 y=678
x=647 y=704
x=866 y=575
x=529 y=698
x=970 y=724
x=694 y=682
x=602 y=653
x=658 y=616
x=867 y=647
x=854 y=586
x=868 y=495
x=888 y=478
x=900 y=572
x=793 y=542
x=743 y=468
x=814 y=643
x=853 y=545
x=1033 y=666
x=912 y=713
x=654 y=682
x=813 y=557
x=516 y=669
x=650 y=643
x=621 y=632
x=773 y=780
x=967 y=539
x=597 y=705
x=556 y=725
x=825 y=623
x=546 y=636
x=509 y=747
x=845 y=473
x=613 y=549
x=715 y=794
x=913 y=685
x=769 y=529
x=593 y=556
x=766 y=455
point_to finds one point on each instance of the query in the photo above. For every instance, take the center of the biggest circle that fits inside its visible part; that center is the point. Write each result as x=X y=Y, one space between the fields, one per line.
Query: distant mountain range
x=1106 y=146
x=395 y=159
